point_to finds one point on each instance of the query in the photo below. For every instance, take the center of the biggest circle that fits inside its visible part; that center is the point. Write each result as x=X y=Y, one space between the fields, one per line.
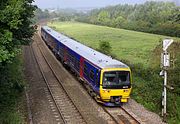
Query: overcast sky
x=87 y=3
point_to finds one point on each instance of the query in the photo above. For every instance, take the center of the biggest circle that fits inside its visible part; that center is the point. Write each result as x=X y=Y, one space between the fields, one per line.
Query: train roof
x=99 y=59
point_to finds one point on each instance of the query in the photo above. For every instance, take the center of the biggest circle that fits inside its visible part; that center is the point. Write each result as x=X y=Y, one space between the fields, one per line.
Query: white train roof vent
x=64 y=40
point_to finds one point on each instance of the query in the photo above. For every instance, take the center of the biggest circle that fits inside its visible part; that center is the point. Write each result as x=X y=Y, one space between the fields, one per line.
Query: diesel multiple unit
x=109 y=80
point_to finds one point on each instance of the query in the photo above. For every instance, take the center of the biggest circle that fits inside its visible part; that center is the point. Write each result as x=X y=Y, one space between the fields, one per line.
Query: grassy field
x=133 y=46
x=141 y=51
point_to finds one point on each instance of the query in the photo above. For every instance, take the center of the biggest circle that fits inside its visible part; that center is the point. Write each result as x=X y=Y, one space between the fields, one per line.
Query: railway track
x=112 y=117
x=121 y=115
x=67 y=110
x=134 y=119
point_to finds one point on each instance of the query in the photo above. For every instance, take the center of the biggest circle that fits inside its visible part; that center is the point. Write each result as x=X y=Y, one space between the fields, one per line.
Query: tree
x=103 y=18
x=15 y=29
x=119 y=22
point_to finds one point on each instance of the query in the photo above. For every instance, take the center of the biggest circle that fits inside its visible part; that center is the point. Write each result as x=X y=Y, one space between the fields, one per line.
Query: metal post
x=165 y=94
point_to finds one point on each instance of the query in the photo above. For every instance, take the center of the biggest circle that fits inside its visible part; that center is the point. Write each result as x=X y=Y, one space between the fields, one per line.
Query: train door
x=81 y=67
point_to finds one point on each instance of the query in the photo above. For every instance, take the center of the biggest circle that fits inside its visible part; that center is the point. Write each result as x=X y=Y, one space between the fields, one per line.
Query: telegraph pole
x=165 y=64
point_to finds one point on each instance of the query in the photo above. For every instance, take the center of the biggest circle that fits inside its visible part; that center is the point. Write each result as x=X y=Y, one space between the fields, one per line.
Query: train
x=109 y=81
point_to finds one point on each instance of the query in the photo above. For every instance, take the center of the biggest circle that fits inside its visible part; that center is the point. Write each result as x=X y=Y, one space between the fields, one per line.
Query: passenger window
x=77 y=64
x=91 y=75
x=85 y=70
x=97 y=79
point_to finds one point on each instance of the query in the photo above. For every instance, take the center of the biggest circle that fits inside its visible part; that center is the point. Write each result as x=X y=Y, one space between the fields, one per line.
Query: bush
x=11 y=87
x=105 y=47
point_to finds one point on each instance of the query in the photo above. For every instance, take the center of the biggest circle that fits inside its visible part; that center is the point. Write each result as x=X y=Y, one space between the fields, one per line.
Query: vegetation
x=174 y=79
x=127 y=45
x=141 y=51
x=11 y=86
x=40 y=15
x=153 y=17
x=105 y=47
x=60 y=14
x=15 y=30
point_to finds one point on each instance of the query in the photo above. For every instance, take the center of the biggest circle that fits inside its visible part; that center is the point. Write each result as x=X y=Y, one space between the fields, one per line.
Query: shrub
x=105 y=47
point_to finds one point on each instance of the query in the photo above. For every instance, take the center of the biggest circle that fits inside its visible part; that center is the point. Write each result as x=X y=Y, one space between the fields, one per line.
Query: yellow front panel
x=105 y=94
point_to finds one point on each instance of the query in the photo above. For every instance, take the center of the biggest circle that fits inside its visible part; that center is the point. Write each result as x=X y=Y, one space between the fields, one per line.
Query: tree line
x=60 y=15
x=153 y=17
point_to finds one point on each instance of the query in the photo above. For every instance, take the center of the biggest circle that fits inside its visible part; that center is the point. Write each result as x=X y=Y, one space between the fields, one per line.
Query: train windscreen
x=116 y=80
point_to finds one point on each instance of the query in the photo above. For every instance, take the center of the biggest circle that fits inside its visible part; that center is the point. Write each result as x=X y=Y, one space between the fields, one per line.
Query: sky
x=43 y=4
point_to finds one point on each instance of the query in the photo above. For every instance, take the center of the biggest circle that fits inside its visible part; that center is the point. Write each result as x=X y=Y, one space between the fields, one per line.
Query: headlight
x=126 y=91
x=106 y=91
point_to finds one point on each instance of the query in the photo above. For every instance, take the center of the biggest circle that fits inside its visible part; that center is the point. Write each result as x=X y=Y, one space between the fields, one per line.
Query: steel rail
x=44 y=78
x=134 y=118
x=113 y=118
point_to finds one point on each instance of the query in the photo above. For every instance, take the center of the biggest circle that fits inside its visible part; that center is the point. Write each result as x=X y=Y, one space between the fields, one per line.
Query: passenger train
x=109 y=80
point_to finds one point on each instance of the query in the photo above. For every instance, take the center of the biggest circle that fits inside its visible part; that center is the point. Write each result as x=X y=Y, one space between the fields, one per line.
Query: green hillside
x=133 y=46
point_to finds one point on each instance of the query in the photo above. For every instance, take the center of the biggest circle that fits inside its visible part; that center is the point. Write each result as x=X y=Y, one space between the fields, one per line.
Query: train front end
x=115 y=86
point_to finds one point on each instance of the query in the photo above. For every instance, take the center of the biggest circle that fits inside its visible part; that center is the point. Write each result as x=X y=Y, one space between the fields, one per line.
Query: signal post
x=165 y=64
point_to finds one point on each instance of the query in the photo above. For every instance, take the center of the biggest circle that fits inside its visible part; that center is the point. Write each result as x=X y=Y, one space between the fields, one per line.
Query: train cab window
x=116 y=79
x=91 y=75
x=85 y=70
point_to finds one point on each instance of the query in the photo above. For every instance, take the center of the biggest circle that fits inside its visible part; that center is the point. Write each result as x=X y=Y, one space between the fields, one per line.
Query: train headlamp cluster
x=106 y=91
x=126 y=90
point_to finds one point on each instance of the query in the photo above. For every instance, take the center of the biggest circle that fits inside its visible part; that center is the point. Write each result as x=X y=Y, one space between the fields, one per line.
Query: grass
x=135 y=47
x=11 y=117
